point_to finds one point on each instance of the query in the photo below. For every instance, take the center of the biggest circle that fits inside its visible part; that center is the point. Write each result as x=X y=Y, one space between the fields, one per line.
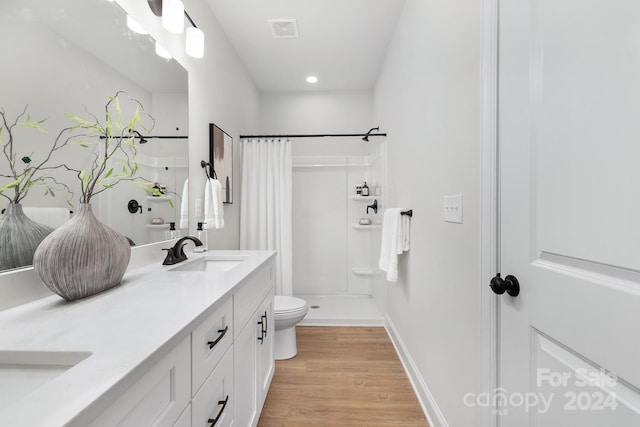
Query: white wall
x=428 y=100
x=316 y=112
x=320 y=234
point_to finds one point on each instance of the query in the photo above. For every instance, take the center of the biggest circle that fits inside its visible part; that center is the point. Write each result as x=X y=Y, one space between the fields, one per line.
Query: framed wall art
x=221 y=158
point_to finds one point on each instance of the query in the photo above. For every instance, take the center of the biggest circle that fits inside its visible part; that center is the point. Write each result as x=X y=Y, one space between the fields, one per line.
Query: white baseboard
x=428 y=404
x=342 y=322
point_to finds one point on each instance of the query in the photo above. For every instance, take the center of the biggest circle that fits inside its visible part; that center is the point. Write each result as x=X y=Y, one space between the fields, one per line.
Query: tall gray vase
x=83 y=257
x=19 y=237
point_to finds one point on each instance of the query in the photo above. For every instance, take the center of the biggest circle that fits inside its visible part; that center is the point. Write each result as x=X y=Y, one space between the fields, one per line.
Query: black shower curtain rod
x=151 y=136
x=326 y=135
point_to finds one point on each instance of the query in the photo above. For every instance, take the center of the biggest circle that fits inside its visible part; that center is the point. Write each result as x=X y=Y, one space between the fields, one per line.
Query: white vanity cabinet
x=264 y=361
x=253 y=347
x=219 y=373
x=158 y=398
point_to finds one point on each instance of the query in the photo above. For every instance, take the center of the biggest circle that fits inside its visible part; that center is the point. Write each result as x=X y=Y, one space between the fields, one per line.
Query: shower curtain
x=265 y=204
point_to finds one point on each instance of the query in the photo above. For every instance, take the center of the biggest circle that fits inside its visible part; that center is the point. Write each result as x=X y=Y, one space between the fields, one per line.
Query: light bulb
x=134 y=26
x=162 y=52
x=173 y=16
x=195 y=42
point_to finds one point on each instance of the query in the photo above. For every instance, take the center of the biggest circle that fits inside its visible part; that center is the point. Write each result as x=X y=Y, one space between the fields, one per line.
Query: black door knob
x=509 y=284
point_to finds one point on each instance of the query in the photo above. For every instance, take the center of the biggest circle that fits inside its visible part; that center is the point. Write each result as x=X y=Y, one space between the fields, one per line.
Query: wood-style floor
x=341 y=377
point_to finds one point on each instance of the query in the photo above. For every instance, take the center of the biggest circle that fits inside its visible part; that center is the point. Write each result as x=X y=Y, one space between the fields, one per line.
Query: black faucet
x=176 y=253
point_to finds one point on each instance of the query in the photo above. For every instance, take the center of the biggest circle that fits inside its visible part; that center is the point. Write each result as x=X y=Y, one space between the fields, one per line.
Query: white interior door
x=569 y=137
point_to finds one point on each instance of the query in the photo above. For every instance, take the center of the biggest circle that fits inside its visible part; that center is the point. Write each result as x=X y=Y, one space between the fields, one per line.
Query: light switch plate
x=453 y=208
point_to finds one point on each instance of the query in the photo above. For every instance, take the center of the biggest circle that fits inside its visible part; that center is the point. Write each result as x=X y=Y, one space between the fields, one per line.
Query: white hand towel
x=184 y=205
x=391 y=230
x=405 y=232
x=213 y=208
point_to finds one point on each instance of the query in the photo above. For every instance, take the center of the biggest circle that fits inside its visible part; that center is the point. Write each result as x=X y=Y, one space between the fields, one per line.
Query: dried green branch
x=114 y=159
x=22 y=179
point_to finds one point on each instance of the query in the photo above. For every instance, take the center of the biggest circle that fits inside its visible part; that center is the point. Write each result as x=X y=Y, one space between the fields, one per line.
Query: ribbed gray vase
x=19 y=237
x=83 y=257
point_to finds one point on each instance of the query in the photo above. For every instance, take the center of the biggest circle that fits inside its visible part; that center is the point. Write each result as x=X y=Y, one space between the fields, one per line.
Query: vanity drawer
x=158 y=398
x=247 y=299
x=215 y=400
x=209 y=342
x=185 y=418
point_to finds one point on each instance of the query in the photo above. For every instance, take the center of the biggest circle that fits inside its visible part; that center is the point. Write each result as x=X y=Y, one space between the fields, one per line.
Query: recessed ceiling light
x=312 y=79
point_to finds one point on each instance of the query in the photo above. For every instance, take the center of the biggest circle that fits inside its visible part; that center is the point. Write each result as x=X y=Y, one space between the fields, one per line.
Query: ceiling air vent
x=283 y=28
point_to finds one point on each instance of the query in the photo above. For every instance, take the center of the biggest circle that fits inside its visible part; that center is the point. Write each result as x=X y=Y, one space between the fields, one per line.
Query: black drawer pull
x=222 y=333
x=213 y=421
x=264 y=317
x=261 y=337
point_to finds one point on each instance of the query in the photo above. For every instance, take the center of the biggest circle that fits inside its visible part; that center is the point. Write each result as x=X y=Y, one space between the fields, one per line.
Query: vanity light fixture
x=173 y=16
x=162 y=52
x=194 y=37
x=194 y=46
x=312 y=79
x=134 y=26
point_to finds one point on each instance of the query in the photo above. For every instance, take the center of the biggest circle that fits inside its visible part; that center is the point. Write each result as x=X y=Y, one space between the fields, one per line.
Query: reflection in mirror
x=69 y=56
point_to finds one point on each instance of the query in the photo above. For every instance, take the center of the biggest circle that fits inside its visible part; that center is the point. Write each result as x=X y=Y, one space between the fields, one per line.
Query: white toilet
x=287 y=312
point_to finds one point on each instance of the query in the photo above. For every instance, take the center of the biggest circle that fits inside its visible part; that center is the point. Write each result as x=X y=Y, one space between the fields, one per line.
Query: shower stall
x=336 y=231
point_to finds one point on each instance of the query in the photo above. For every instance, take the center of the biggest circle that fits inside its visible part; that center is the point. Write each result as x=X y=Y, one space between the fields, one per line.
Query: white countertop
x=126 y=329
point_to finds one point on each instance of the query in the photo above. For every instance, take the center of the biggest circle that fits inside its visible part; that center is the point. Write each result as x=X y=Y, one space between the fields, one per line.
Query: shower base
x=341 y=310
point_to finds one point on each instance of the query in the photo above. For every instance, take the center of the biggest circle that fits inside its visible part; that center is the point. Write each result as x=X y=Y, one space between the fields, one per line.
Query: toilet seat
x=288 y=305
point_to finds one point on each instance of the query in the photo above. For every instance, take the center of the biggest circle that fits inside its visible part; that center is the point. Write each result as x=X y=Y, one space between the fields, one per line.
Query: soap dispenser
x=172 y=233
x=365 y=189
x=202 y=236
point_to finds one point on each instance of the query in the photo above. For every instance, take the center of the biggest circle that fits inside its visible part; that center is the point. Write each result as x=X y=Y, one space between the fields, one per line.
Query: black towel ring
x=204 y=165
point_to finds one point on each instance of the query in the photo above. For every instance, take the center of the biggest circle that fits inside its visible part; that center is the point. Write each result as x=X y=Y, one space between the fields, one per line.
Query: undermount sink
x=213 y=263
x=22 y=372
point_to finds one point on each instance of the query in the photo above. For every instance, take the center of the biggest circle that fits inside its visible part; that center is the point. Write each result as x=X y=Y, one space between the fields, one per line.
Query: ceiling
x=342 y=42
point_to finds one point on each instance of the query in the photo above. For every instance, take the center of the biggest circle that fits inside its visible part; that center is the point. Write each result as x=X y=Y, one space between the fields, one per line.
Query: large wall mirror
x=69 y=56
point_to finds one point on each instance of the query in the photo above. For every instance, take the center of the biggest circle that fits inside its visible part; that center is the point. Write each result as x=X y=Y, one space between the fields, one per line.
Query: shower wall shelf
x=365 y=198
x=364 y=271
x=365 y=227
